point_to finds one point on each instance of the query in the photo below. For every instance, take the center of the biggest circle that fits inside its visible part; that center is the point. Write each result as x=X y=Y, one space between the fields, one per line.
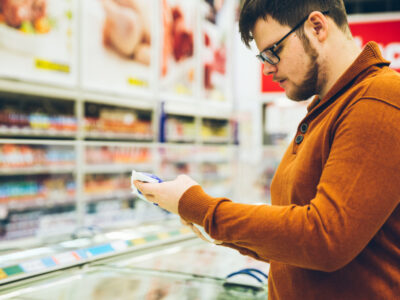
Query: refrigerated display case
x=194 y=256
x=186 y=269
x=73 y=132
x=37 y=189
x=88 y=244
x=105 y=282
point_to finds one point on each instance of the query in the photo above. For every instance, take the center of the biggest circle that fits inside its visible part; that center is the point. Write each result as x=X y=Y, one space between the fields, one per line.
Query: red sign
x=385 y=30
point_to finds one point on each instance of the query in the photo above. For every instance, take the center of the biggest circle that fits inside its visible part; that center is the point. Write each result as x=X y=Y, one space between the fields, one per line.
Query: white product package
x=145 y=177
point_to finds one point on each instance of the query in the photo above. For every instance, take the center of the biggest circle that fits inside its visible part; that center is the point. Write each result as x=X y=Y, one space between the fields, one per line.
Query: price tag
x=65 y=258
x=33 y=266
x=119 y=245
x=163 y=235
x=137 y=82
x=182 y=90
x=51 y=66
x=139 y=241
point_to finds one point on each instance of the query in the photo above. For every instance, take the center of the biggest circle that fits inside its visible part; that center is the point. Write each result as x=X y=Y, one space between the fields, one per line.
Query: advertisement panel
x=216 y=26
x=117 y=45
x=178 y=26
x=38 y=40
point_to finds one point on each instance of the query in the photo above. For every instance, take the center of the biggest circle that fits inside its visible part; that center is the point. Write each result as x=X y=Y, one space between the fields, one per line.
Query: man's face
x=298 y=70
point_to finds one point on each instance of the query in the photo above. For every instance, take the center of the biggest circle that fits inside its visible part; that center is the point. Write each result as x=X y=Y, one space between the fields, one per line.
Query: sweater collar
x=370 y=56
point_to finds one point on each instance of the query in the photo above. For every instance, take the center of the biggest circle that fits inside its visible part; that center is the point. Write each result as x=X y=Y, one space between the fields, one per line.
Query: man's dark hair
x=288 y=12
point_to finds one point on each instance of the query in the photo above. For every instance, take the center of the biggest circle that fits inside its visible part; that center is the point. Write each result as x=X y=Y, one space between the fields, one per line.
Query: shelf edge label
x=51 y=66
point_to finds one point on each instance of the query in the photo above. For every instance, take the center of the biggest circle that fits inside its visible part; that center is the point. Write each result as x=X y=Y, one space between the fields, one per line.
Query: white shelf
x=37 y=89
x=206 y=108
x=116 y=168
x=140 y=102
x=105 y=135
x=38 y=202
x=108 y=196
x=215 y=177
x=15 y=131
x=120 y=144
x=36 y=170
x=37 y=142
x=217 y=140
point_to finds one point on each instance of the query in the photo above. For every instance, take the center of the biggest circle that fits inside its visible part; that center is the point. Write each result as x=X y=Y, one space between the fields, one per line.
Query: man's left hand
x=166 y=194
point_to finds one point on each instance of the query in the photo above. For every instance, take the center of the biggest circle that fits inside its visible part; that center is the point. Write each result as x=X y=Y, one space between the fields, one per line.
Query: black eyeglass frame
x=263 y=58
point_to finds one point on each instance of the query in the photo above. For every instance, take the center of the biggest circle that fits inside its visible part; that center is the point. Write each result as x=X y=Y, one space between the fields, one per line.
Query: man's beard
x=309 y=86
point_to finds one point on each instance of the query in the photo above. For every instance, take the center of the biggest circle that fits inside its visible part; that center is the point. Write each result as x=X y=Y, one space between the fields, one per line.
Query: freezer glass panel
x=120 y=284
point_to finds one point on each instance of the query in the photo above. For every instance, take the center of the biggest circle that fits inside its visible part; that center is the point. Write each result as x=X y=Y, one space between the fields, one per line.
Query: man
x=333 y=229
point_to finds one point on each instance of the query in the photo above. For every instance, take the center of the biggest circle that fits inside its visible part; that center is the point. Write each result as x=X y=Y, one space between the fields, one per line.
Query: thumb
x=145 y=187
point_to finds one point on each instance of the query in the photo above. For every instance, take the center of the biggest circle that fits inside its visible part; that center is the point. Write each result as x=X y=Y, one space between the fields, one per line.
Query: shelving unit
x=110 y=123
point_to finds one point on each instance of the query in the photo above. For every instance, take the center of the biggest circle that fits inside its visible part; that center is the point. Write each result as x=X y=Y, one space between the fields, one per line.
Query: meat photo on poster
x=178 y=44
x=117 y=46
x=126 y=29
x=29 y=26
x=37 y=40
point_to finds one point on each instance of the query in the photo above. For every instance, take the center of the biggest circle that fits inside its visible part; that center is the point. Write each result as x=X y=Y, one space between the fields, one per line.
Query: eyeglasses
x=269 y=55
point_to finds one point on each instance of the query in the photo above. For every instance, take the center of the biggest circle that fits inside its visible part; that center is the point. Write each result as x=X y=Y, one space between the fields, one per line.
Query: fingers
x=146 y=188
x=184 y=222
x=198 y=233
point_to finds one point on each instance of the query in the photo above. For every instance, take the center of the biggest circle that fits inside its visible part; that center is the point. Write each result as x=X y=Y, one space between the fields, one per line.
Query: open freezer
x=117 y=283
x=195 y=257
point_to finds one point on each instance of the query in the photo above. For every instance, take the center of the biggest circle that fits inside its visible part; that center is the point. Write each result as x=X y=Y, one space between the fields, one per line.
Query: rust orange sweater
x=333 y=229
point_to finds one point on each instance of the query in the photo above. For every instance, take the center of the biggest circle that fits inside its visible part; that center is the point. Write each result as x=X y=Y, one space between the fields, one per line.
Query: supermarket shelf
x=109 y=196
x=142 y=101
x=116 y=168
x=49 y=260
x=15 y=131
x=31 y=88
x=37 y=202
x=216 y=140
x=203 y=108
x=120 y=144
x=105 y=135
x=36 y=170
x=145 y=102
x=216 y=177
x=37 y=142
x=217 y=110
x=180 y=139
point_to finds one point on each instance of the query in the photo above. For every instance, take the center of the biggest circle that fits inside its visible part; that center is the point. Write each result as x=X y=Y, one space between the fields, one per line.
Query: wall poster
x=38 y=40
x=118 y=45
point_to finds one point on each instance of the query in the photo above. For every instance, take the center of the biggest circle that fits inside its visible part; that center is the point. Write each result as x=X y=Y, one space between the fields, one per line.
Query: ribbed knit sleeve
x=194 y=204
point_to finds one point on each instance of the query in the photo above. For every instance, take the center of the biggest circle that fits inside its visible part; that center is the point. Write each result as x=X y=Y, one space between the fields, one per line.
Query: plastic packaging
x=151 y=178
x=145 y=177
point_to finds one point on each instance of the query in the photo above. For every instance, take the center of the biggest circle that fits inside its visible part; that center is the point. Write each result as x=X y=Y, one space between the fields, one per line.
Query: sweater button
x=303 y=127
x=299 y=139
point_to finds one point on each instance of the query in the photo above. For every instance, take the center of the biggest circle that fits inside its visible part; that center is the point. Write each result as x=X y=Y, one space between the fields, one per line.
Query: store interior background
x=78 y=112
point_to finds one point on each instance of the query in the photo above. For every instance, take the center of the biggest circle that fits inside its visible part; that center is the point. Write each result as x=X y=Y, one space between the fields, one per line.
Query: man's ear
x=317 y=25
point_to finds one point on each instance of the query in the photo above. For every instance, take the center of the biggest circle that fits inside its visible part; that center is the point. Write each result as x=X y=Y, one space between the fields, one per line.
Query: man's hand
x=166 y=194
x=198 y=233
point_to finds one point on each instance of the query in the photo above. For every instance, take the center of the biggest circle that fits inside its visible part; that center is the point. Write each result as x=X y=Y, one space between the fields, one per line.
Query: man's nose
x=269 y=69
